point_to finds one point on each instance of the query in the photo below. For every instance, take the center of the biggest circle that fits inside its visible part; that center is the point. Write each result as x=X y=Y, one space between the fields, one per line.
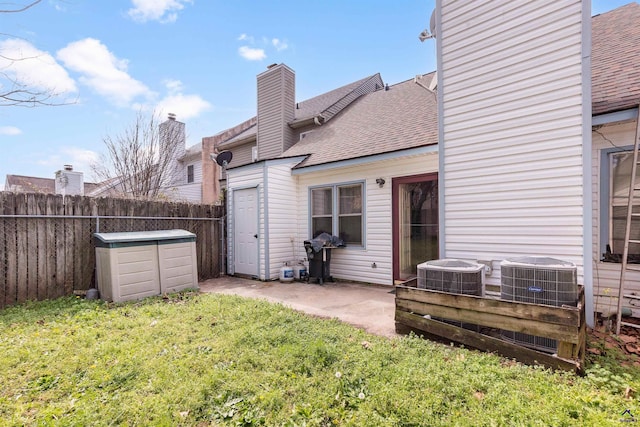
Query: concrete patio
x=369 y=307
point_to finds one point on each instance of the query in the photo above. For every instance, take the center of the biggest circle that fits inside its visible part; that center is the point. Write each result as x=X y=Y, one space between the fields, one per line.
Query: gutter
x=242 y=141
x=317 y=120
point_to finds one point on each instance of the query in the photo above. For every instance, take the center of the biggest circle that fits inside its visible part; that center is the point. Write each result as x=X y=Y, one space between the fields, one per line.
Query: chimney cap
x=68 y=167
x=172 y=116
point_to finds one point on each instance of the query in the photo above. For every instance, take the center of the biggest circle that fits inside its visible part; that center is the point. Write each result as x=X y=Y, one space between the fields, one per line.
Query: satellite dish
x=432 y=24
x=223 y=158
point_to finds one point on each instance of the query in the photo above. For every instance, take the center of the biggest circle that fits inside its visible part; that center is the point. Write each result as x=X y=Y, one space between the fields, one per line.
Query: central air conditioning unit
x=538 y=280
x=454 y=276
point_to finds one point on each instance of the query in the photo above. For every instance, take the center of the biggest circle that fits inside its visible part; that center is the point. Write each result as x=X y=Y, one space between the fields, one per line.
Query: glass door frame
x=395 y=207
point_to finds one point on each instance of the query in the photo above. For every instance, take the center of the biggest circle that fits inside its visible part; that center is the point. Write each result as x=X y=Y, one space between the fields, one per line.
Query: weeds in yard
x=191 y=359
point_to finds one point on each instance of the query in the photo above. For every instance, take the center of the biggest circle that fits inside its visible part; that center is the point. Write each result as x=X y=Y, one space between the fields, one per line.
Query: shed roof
x=405 y=116
x=615 y=50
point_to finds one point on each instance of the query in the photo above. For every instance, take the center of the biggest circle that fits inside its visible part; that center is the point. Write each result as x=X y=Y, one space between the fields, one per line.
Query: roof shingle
x=615 y=48
x=384 y=121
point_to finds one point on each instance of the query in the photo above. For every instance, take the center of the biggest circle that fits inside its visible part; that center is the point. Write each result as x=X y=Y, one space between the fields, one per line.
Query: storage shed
x=134 y=265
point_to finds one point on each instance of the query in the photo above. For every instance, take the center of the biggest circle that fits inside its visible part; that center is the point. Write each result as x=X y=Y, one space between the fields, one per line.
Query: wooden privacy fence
x=564 y=324
x=47 y=247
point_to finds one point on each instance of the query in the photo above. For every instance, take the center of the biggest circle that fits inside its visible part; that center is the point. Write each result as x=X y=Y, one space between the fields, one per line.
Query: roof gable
x=405 y=116
x=326 y=105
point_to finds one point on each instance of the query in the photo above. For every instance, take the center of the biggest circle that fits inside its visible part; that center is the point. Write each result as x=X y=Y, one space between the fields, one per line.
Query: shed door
x=245 y=231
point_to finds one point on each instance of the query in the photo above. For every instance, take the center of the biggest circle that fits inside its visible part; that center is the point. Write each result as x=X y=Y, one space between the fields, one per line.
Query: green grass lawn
x=221 y=360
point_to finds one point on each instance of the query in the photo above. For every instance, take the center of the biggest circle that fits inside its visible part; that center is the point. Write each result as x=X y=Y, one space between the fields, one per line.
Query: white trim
x=619 y=116
x=587 y=176
x=365 y=160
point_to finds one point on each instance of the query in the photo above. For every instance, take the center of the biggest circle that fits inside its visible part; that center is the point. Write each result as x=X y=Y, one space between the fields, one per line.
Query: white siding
x=251 y=176
x=356 y=263
x=606 y=275
x=511 y=88
x=282 y=215
x=190 y=193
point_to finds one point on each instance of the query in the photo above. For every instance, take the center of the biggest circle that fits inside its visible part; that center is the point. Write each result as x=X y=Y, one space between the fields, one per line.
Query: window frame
x=606 y=185
x=335 y=209
x=191 y=175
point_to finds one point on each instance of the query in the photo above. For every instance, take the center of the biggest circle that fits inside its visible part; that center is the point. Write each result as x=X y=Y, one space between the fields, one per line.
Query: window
x=620 y=164
x=337 y=210
x=189 y=174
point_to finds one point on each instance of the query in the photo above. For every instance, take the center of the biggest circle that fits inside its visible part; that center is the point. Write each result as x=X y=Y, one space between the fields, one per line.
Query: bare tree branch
x=20 y=9
x=141 y=162
x=15 y=92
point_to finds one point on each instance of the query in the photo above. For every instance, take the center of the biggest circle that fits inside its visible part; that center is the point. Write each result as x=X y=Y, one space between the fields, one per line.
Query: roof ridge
x=362 y=83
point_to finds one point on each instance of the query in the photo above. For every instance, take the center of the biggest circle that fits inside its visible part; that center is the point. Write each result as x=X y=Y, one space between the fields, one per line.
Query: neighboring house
x=66 y=182
x=184 y=181
x=182 y=173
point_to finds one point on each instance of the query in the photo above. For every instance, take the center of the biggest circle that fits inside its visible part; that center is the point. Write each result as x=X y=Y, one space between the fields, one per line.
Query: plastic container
x=299 y=272
x=286 y=274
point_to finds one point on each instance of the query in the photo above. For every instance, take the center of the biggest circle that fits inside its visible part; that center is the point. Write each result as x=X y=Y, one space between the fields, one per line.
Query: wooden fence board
x=60 y=248
x=50 y=209
x=43 y=248
x=48 y=258
x=484 y=342
x=69 y=243
x=11 y=226
x=3 y=259
x=21 y=248
x=561 y=316
x=528 y=326
x=31 y=249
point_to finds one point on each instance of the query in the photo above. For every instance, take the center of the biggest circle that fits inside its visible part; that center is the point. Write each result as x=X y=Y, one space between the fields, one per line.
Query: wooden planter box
x=564 y=324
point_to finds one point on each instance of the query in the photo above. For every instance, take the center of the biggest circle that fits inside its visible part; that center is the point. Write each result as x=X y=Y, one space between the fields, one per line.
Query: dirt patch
x=602 y=340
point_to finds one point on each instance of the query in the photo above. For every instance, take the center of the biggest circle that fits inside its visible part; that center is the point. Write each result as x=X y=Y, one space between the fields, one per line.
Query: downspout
x=440 y=97
x=587 y=188
x=265 y=234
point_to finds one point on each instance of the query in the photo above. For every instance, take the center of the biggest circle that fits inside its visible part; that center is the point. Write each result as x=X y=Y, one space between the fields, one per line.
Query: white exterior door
x=245 y=231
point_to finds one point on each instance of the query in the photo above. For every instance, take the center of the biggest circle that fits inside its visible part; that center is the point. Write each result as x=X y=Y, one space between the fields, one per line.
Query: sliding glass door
x=415 y=223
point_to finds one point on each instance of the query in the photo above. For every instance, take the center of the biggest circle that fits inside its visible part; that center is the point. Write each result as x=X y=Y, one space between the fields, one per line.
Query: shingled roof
x=405 y=116
x=615 y=48
x=327 y=104
x=33 y=184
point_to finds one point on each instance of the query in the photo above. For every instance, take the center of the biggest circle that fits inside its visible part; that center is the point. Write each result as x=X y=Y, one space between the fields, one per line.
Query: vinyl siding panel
x=607 y=275
x=276 y=103
x=250 y=176
x=190 y=193
x=511 y=85
x=356 y=263
x=282 y=212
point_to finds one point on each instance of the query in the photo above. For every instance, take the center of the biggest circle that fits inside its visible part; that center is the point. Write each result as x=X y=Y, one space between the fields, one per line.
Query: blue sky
x=195 y=58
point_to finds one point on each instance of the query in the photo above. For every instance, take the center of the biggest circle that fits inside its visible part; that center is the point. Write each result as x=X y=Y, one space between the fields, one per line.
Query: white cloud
x=183 y=106
x=173 y=86
x=102 y=71
x=163 y=11
x=244 y=37
x=251 y=54
x=80 y=158
x=279 y=44
x=22 y=62
x=9 y=130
